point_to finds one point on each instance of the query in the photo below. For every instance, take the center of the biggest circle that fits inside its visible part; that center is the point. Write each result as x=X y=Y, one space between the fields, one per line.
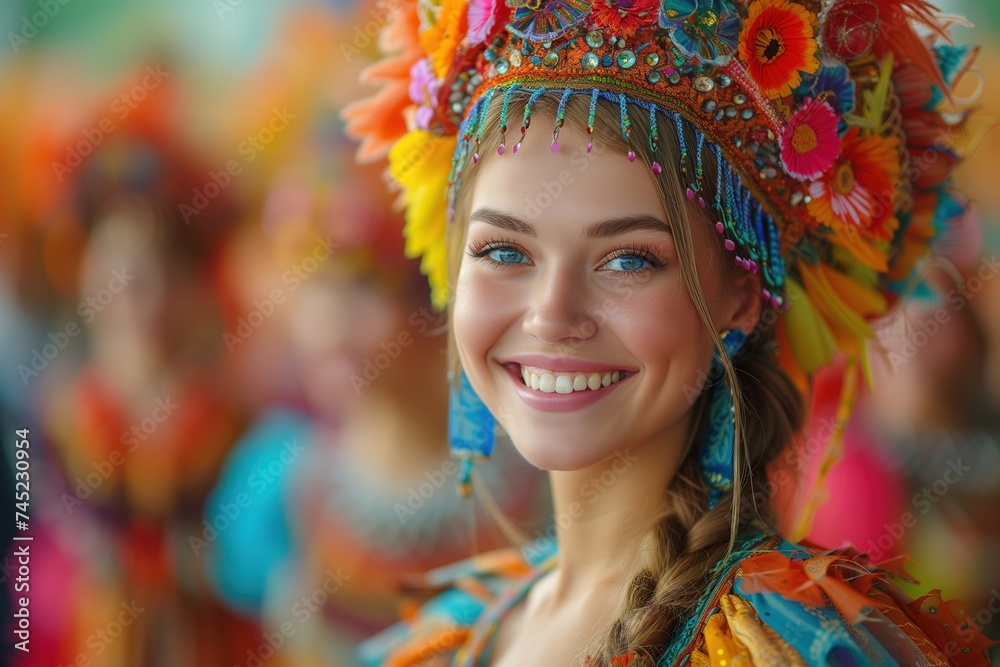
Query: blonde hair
x=688 y=539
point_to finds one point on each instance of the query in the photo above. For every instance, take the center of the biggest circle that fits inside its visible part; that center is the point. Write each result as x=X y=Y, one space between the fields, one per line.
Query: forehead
x=568 y=184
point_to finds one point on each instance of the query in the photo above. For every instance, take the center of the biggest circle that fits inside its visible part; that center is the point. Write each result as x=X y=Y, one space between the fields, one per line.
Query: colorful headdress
x=831 y=122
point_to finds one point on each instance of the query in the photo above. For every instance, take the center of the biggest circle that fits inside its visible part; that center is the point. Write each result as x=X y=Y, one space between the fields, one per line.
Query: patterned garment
x=773 y=603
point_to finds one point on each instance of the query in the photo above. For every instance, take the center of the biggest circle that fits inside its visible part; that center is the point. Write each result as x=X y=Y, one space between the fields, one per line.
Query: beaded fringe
x=749 y=231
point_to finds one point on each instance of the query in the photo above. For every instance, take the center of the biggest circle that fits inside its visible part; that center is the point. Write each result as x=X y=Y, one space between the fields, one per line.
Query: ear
x=746 y=303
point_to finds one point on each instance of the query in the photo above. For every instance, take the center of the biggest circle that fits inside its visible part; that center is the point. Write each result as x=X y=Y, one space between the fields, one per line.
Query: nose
x=559 y=310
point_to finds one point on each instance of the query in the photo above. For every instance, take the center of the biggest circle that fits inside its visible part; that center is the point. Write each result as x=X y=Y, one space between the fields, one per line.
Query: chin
x=563 y=449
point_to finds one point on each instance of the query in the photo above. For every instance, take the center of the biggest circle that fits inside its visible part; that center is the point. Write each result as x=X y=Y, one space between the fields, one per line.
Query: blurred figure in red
x=140 y=431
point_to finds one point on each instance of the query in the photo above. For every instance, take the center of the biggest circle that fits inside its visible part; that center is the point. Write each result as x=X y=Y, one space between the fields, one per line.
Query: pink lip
x=562 y=364
x=560 y=402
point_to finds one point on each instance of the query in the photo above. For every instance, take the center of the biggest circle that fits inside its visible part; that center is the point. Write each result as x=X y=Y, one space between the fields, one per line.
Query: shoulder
x=775 y=602
x=431 y=633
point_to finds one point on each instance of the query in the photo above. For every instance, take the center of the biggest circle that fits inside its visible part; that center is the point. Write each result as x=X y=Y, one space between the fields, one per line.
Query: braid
x=684 y=545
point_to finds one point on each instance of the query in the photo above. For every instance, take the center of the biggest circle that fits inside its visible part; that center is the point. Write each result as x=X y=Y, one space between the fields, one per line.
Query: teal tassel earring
x=471 y=430
x=716 y=459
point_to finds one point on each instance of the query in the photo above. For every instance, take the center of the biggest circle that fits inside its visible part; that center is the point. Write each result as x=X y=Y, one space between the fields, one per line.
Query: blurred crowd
x=234 y=385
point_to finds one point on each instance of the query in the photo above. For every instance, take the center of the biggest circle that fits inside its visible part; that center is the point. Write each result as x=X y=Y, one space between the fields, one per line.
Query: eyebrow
x=603 y=229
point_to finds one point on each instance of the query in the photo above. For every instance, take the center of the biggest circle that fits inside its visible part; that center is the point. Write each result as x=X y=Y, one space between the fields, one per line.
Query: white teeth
x=567 y=383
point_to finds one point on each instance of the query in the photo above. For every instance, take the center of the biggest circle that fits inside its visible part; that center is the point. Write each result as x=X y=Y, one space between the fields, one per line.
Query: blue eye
x=507 y=256
x=628 y=263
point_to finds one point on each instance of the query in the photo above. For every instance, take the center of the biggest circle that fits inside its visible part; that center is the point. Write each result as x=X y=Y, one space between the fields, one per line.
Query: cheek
x=662 y=329
x=483 y=311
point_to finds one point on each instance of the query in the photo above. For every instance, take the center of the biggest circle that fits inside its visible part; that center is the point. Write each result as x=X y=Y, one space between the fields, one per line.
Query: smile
x=562 y=382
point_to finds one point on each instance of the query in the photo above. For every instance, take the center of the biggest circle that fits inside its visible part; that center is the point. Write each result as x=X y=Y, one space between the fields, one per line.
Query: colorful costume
x=773 y=603
x=833 y=133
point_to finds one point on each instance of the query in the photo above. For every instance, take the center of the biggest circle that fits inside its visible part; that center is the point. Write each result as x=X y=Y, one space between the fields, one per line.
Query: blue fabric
x=254 y=481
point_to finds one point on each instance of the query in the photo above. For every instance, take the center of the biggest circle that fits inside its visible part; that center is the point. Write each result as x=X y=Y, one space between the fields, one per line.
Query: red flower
x=624 y=17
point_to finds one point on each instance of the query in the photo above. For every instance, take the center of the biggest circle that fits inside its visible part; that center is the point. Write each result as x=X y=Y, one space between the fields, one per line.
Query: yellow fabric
x=735 y=637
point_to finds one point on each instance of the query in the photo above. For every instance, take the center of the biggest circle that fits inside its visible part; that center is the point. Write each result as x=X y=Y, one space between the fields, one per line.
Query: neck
x=607 y=510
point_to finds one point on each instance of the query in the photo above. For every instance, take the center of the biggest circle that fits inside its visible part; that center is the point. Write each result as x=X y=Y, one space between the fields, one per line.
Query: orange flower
x=778 y=43
x=378 y=121
x=442 y=39
x=858 y=190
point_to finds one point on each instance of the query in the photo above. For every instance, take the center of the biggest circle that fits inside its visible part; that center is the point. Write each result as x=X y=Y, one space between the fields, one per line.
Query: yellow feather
x=874 y=101
x=809 y=336
x=865 y=253
x=827 y=299
x=859 y=298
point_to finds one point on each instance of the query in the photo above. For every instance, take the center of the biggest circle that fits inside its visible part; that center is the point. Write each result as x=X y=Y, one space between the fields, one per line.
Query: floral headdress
x=831 y=120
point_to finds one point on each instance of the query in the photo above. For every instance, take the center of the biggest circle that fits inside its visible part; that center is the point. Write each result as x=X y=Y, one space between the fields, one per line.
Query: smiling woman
x=642 y=298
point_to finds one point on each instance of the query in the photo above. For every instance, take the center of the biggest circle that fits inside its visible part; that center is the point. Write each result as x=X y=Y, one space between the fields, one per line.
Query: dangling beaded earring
x=716 y=458
x=471 y=430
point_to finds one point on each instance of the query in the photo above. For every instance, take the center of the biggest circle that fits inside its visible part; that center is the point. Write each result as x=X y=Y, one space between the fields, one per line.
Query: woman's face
x=572 y=318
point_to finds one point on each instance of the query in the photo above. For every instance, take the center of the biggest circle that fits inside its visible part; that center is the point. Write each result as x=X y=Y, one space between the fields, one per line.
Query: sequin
x=489 y=55
x=703 y=84
x=746 y=114
x=739 y=98
x=653 y=77
x=551 y=59
x=709 y=106
x=625 y=59
x=590 y=60
x=515 y=58
x=502 y=65
x=595 y=39
x=675 y=78
x=723 y=80
x=652 y=59
x=730 y=112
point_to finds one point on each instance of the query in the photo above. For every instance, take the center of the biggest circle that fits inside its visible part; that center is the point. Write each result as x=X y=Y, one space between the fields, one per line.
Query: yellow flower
x=421 y=164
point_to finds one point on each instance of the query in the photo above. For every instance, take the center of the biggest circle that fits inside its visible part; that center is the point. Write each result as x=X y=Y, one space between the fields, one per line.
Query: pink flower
x=481 y=17
x=810 y=143
x=424 y=89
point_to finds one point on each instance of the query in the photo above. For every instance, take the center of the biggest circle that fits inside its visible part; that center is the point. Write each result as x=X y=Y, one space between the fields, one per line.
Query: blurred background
x=232 y=385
